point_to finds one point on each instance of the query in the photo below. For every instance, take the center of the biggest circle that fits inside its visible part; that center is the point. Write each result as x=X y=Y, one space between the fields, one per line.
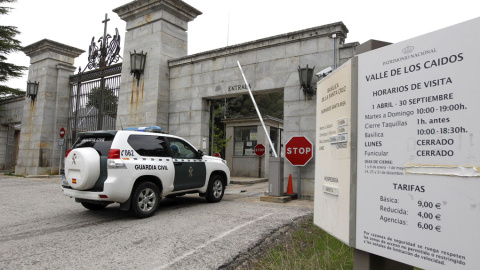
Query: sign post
x=260 y=152
x=61 y=142
x=299 y=151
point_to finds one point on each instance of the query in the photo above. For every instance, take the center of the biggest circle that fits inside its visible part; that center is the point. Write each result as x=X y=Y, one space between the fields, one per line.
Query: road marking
x=190 y=252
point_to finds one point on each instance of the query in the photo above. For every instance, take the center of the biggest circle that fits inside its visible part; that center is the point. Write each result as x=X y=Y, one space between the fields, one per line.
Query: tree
x=110 y=100
x=242 y=106
x=239 y=107
x=8 y=44
x=219 y=140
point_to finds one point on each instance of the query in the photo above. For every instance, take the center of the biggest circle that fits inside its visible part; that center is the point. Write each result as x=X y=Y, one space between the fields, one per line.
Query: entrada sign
x=238 y=87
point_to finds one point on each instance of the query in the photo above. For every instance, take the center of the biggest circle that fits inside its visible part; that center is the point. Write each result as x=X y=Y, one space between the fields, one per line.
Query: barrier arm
x=258 y=111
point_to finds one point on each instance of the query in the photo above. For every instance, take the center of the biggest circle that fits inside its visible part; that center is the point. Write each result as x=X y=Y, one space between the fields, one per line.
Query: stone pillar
x=157 y=27
x=51 y=64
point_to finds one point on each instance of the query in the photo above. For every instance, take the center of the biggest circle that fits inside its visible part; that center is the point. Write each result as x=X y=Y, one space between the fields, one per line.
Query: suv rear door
x=100 y=141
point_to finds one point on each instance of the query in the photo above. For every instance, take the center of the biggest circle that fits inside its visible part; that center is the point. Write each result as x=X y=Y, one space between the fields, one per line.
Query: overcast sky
x=230 y=22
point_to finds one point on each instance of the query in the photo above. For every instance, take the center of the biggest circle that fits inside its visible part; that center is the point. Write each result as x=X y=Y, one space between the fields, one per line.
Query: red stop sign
x=62 y=132
x=299 y=151
x=260 y=150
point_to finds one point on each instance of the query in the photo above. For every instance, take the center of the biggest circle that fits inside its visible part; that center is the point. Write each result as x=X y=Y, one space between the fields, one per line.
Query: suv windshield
x=101 y=144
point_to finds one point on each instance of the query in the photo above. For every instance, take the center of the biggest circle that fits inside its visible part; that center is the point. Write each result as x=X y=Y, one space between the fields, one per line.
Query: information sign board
x=333 y=156
x=419 y=150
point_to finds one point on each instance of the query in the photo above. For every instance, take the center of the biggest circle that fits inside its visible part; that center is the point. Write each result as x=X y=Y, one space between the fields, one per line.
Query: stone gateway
x=175 y=89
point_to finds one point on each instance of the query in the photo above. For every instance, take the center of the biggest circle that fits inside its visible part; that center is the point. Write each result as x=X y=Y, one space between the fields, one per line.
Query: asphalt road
x=40 y=228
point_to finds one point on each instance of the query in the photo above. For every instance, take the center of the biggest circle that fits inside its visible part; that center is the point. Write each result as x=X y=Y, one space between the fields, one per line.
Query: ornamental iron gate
x=94 y=94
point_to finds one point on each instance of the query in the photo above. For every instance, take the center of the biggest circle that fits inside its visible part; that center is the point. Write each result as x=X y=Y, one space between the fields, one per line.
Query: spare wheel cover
x=82 y=168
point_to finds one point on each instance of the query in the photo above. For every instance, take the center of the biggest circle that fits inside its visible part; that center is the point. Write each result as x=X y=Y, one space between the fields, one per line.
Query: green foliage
x=308 y=248
x=241 y=107
x=8 y=44
x=12 y=173
x=219 y=140
x=110 y=100
x=268 y=104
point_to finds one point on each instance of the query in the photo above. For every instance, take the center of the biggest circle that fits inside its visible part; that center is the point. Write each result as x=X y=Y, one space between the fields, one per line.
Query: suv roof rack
x=98 y=133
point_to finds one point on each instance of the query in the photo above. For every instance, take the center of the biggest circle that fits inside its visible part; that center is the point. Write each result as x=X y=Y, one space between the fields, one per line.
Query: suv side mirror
x=200 y=153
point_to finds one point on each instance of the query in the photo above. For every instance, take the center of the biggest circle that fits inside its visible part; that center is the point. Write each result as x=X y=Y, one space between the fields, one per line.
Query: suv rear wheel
x=145 y=198
x=216 y=189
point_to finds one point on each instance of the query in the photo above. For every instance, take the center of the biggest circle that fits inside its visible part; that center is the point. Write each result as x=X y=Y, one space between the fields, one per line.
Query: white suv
x=137 y=169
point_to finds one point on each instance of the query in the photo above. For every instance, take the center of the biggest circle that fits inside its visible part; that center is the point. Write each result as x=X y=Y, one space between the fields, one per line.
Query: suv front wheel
x=216 y=189
x=145 y=198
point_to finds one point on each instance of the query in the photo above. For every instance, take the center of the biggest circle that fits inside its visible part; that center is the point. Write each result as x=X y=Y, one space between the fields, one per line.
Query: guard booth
x=245 y=134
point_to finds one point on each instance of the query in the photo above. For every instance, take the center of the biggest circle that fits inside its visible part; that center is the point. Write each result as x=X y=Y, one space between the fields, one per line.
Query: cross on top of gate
x=103 y=49
x=105 y=28
x=107 y=51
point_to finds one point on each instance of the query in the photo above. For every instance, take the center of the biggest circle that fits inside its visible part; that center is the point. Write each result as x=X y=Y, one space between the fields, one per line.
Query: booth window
x=245 y=141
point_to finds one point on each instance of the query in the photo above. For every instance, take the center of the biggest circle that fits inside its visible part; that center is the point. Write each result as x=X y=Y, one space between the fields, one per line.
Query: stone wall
x=11 y=111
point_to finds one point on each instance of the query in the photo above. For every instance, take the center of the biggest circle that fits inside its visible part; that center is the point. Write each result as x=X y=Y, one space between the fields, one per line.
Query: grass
x=12 y=174
x=309 y=247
